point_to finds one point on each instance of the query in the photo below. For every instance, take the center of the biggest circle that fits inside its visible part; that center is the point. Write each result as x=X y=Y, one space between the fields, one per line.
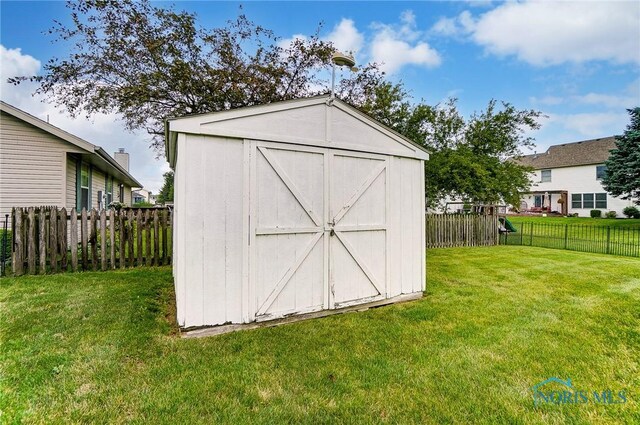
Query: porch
x=548 y=201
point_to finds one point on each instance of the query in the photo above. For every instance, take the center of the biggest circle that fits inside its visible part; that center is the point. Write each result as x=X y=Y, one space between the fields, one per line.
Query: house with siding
x=567 y=179
x=40 y=164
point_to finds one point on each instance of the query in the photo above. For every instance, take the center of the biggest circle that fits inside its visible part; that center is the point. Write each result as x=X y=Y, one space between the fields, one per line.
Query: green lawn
x=98 y=347
x=586 y=221
x=603 y=236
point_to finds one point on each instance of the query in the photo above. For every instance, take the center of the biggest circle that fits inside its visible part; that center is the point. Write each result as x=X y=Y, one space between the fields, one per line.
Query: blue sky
x=578 y=62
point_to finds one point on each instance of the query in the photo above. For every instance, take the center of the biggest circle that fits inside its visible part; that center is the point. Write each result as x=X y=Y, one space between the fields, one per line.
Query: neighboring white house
x=143 y=195
x=293 y=207
x=568 y=179
x=41 y=164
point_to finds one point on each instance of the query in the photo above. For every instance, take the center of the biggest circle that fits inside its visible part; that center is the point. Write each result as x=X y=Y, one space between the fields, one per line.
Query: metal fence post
x=566 y=235
x=531 y=236
x=608 y=238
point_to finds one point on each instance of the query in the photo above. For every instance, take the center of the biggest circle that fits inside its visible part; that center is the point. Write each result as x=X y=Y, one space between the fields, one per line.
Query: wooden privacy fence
x=50 y=240
x=447 y=230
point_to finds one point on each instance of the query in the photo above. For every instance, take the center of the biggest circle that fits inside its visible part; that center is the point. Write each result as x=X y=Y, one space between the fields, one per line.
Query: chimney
x=122 y=158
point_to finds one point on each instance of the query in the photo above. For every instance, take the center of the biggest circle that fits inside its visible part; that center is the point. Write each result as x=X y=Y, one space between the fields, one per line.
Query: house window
x=576 y=200
x=587 y=200
x=108 y=191
x=85 y=192
x=545 y=176
x=601 y=171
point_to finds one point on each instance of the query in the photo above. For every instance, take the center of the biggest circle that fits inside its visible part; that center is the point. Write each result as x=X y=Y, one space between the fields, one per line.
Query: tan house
x=41 y=164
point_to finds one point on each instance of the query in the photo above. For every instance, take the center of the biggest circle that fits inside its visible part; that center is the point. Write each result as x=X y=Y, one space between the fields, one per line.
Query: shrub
x=596 y=213
x=631 y=212
x=611 y=214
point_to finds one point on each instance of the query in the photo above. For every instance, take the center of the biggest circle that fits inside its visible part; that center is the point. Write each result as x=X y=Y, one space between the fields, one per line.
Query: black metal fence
x=616 y=240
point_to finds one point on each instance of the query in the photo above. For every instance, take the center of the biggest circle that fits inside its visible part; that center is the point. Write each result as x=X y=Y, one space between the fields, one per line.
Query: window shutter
x=78 y=189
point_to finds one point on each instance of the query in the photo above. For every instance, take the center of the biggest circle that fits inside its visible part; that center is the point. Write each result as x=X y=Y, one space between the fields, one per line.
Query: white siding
x=210 y=211
x=407 y=221
x=581 y=179
x=97 y=184
x=264 y=229
x=70 y=201
x=127 y=194
x=32 y=165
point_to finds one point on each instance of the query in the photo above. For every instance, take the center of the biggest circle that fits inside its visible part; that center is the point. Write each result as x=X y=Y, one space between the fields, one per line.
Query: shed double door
x=317 y=228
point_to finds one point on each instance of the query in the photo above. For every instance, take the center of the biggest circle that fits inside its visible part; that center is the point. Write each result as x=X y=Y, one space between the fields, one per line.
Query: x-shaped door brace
x=288 y=274
x=339 y=229
x=290 y=185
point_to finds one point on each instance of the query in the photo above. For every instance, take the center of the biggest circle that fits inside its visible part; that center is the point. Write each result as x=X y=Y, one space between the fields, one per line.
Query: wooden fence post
x=147 y=224
x=31 y=241
x=84 y=239
x=121 y=233
x=62 y=238
x=18 y=249
x=139 y=231
x=170 y=236
x=42 y=240
x=131 y=229
x=112 y=237
x=103 y=240
x=94 y=239
x=53 y=240
x=73 y=233
x=163 y=225
x=156 y=238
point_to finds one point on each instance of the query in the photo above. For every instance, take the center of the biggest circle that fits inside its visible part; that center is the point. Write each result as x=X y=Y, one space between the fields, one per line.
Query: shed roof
x=315 y=121
x=586 y=152
x=97 y=155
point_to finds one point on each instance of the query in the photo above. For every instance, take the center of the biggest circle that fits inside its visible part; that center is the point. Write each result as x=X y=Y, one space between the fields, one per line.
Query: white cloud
x=346 y=37
x=461 y=25
x=394 y=46
x=15 y=64
x=608 y=100
x=550 y=33
x=628 y=99
x=592 y=124
x=285 y=43
x=446 y=26
x=103 y=130
x=547 y=100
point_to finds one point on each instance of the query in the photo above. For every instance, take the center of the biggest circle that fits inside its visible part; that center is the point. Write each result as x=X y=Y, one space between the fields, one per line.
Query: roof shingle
x=595 y=151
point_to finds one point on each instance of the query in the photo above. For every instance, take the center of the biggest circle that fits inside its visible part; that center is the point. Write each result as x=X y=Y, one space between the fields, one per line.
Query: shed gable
x=314 y=122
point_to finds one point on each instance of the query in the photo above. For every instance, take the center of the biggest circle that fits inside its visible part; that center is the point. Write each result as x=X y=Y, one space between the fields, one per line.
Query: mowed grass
x=604 y=236
x=583 y=221
x=99 y=347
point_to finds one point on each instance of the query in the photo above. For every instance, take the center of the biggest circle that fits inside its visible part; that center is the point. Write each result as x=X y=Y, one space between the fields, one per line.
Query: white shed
x=291 y=208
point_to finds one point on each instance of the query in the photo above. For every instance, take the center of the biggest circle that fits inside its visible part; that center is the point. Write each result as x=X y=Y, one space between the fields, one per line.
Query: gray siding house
x=41 y=164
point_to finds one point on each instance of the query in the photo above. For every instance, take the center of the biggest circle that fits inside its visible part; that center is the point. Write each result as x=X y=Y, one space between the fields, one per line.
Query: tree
x=622 y=178
x=147 y=63
x=470 y=159
x=166 y=193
